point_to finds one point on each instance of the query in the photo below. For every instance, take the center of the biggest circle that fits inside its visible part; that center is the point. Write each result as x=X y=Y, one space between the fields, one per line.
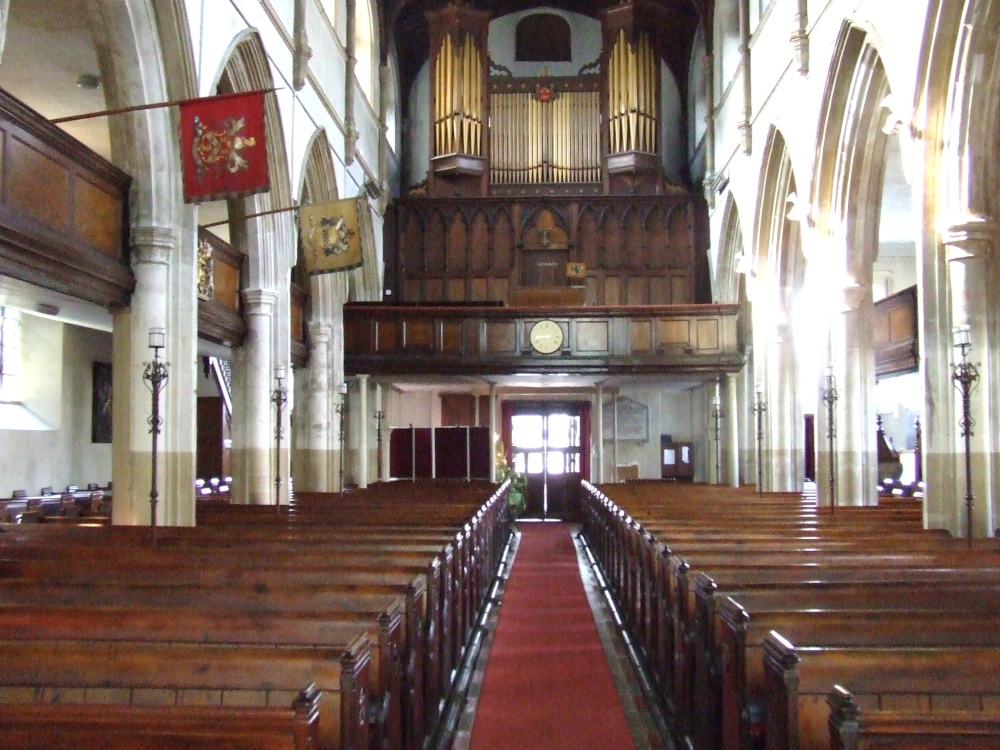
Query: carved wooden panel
x=40 y=185
x=708 y=335
x=501 y=337
x=479 y=241
x=674 y=332
x=387 y=335
x=97 y=217
x=458 y=410
x=592 y=336
x=896 y=336
x=641 y=335
x=419 y=334
x=451 y=337
x=635 y=243
x=635 y=250
x=637 y=291
x=458 y=243
x=613 y=290
x=456 y=290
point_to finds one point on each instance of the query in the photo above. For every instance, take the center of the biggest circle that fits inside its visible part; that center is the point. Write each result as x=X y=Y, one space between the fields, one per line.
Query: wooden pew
x=157 y=674
x=798 y=681
x=73 y=726
x=740 y=693
x=854 y=728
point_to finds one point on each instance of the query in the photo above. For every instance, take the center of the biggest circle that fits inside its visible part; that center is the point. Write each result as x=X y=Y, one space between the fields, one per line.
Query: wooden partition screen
x=439 y=453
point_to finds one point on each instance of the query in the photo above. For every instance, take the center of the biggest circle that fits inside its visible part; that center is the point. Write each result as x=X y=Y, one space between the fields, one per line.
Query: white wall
x=32 y=459
x=585 y=41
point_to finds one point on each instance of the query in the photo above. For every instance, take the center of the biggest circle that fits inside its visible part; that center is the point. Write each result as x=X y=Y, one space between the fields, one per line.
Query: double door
x=546 y=447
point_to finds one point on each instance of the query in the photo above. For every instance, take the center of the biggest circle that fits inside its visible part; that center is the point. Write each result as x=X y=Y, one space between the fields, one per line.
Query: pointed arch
x=728 y=278
x=271 y=238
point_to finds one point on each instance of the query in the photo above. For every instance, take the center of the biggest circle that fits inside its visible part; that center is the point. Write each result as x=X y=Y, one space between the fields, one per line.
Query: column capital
x=319 y=332
x=152 y=244
x=259 y=301
x=969 y=236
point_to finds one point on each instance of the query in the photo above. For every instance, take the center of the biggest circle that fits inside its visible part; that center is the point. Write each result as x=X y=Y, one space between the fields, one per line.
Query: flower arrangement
x=518 y=482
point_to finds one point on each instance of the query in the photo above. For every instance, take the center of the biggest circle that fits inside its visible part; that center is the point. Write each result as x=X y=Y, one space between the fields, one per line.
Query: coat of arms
x=220 y=147
x=544 y=89
x=331 y=235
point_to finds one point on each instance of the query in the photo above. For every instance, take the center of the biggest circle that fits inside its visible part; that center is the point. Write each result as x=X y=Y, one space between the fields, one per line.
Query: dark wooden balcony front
x=494 y=340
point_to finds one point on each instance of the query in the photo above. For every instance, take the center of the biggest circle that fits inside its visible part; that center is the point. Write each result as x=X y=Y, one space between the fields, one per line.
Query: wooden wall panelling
x=656 y=240
x=499 y=289
x=589 y=239
x=484 y=411
x=592 y=336
x=220 y=318
x=457 y=257
x=298 y=311
x=458 y=409
x=634 y=241
x=63 y=211
x=387 y=336
x=709 y=337
x=435 y=239
x=896 y=336
x=413 y=290
x=641 y=336
x=501 y=337
x=418 y=335
x=659 y=290
x=451 y=337
x=472 y=332
x=637 y=291
x=479 y=245
x=502 y=256
x=479 y=289
x=612 y=290
x=611 y=258
x=456 y=290
x=673 y=333
x=433 y=290
x=681 y=288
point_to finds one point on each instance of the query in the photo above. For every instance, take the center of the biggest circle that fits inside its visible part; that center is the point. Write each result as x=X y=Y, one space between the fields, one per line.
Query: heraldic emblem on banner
x=335 y=234
x=223 y=147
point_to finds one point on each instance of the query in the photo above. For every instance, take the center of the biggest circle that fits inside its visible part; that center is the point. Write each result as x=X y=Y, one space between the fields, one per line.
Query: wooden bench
x=73 y=726
x=739 y=695
x=798 y=681
x=157 y=674
x=853 y=728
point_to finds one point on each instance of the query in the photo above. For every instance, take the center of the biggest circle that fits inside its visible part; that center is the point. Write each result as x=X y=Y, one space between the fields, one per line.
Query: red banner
x=222 y=147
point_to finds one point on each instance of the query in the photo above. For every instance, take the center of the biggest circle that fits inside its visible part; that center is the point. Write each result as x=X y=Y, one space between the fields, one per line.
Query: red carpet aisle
x=548 y=685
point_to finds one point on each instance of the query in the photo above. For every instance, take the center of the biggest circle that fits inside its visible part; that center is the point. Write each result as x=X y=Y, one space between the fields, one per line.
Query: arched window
x=542 y=37
x=364 y=48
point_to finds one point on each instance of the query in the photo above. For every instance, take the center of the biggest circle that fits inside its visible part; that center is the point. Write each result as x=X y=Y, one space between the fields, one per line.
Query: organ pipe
x=458 y=92
x=633 y=107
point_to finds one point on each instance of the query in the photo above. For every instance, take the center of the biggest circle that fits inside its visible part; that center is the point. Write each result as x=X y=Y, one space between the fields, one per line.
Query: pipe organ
x=542 y=135
x=633 y=78
x=504 y=135
x=458 y=115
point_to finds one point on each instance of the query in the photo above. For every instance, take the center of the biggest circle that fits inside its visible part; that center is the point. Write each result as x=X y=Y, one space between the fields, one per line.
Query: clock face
x=546 y=336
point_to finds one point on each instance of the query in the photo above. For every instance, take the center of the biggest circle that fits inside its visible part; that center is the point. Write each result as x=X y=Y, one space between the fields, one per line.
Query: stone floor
x=644 y=729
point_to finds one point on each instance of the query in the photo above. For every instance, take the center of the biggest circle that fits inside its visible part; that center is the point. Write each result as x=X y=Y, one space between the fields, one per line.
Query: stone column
x=257 y=461
x=732 y=430
x=494 y=431
x=782 y=433
x=746 y=122
x=363 y=418
x=320 y=424
x=132 y=466
x=854 y=365
x=970 y=244
x=598 y=431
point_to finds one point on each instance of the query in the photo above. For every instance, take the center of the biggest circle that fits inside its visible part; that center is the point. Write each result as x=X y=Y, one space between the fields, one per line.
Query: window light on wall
x=11 y=382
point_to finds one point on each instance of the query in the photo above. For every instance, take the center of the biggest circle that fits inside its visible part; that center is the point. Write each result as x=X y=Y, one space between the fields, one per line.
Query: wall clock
x=546 y=336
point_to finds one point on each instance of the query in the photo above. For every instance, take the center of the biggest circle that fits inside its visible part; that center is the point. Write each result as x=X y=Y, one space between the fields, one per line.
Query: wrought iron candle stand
x=717 y=423
x=155 y=377
x=342 y=415
x=379 y=417
x=759 y=409
x=830 y=397
x=279 y=397
x=965 y=375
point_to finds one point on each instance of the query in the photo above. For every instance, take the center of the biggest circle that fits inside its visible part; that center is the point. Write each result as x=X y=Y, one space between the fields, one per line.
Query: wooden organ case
x=547 y=190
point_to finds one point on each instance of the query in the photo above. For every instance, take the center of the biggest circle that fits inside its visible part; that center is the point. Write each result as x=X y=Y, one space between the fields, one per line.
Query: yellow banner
x=333 y=234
